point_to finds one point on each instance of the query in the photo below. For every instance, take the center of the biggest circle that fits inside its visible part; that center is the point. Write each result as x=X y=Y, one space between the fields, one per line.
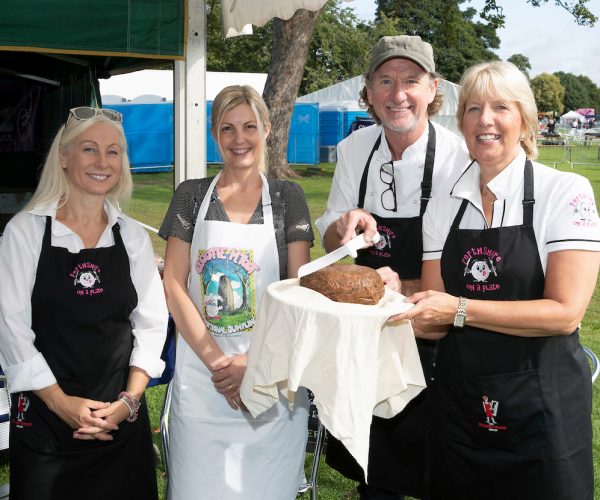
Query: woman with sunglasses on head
x=82 y=323
x=228 y=238
x=510 y=261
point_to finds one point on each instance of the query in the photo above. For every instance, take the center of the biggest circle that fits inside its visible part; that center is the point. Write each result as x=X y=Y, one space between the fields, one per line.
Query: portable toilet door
x=149 y=132
x=212 y=149
x=303 y=142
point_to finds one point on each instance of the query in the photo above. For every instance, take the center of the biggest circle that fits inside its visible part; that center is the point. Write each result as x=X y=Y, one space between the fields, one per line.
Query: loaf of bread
x=346 y=283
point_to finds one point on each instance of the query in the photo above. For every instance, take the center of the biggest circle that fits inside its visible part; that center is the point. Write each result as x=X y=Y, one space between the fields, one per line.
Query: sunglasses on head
x=86 y=113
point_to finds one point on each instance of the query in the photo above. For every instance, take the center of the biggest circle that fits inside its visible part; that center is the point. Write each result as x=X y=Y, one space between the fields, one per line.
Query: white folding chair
x=594 y=362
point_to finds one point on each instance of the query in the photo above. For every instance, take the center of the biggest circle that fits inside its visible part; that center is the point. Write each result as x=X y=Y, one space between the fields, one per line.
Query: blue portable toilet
x=352 y=111
x=303 y=142
x=149 y=132
x=212 y=150
x=331 y=124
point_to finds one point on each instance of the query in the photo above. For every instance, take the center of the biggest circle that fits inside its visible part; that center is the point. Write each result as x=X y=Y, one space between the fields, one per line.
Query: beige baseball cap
x=405 y=46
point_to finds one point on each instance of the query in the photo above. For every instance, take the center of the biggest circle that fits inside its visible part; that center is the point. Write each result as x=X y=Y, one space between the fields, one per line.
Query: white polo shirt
x=451 y=157
x=564 y=213
x=20 y=249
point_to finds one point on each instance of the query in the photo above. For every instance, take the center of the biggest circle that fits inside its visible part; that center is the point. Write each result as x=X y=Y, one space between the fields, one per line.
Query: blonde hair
x=231 y=97
x=503 y=80
x=432 y=108
x=53 y=185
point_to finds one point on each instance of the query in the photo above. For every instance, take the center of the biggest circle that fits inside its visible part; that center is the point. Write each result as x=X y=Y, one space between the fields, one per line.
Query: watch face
x=459 y=320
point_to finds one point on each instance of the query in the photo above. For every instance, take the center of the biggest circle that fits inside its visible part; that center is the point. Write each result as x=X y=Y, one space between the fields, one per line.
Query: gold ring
x=230 y=386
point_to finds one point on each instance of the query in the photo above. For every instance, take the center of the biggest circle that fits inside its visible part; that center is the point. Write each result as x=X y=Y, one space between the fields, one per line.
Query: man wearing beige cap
x=384 y=178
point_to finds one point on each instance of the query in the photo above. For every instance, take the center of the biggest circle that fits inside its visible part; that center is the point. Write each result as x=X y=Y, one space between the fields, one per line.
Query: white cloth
x=564 y=214
x=20 y=249
x=356 y=365
x=237 y=15
x=451 y=157
x=216 y=452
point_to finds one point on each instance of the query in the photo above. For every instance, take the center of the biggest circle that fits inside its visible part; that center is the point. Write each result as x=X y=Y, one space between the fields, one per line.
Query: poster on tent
x=19 y=117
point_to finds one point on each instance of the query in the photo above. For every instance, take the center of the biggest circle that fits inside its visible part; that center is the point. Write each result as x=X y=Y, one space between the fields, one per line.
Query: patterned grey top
x=290 y=214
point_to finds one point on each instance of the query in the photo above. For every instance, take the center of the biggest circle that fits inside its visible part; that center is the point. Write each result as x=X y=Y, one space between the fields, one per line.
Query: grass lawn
x=152 y=193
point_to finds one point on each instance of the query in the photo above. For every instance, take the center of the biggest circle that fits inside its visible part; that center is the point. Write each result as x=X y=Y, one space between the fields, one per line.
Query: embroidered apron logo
x=228 y=289
x=385 y=242
x=22 y=406
x=584 y=211
x=480 y=265
x=490 y=408
x=86 y=277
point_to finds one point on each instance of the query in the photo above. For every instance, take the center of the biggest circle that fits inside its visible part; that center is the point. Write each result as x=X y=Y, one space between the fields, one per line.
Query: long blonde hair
x=504 y=80
x=53 y=185
x=233 y=96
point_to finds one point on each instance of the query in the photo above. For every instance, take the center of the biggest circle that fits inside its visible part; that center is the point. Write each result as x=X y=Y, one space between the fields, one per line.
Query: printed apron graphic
x=490 y=409
x=480 y=264
x=86 y=279
x=22 y=407
x=228 y=290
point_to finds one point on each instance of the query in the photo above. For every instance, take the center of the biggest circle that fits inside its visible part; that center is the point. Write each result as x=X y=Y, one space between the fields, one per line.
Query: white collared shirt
x=564 y=213
x=20 y=249
x=451 y=157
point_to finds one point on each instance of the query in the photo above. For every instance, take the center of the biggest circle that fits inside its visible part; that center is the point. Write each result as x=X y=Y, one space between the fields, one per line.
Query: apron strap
x=47 y=241
x=459 y=214
x=428 y=173
x=363 y=180
x=528 y=199
x=426 y=183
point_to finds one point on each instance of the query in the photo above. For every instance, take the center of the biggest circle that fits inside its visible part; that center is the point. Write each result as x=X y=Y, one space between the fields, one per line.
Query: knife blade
x=349 y=248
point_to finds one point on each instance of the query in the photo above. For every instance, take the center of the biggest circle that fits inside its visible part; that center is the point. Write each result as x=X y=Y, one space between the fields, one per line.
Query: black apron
x=511 y=416
x=81 y=304
x=398 y=446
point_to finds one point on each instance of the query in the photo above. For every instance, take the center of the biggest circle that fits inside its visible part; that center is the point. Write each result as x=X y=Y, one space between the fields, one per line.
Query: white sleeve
x=20 y=246
x=343 y=195
x=150 y=317
x=435 y=228
x=573 y=222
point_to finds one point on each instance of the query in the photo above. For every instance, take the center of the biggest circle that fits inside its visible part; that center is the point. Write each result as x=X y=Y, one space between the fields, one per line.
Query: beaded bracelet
x=133 y=405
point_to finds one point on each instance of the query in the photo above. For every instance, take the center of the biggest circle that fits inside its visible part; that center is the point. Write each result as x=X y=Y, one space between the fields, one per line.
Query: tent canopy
x=108 y=30
x=348 y=90
x=572 y=115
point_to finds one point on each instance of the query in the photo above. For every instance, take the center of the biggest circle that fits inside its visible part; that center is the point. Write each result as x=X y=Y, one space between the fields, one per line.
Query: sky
x=547 y=35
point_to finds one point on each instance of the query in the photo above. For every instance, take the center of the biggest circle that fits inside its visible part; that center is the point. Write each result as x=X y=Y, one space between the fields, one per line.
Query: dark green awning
x=153 y=29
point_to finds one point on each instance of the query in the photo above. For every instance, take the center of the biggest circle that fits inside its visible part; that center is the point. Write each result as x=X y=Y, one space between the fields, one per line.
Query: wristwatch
x=461 y=313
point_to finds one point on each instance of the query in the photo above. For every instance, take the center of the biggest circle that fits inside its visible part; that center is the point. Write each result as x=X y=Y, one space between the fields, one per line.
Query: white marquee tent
x=149 y=85
x=572 y=116
x=347 y=92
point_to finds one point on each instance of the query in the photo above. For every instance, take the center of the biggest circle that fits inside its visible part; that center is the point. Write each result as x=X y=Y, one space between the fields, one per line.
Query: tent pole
x=189 y=99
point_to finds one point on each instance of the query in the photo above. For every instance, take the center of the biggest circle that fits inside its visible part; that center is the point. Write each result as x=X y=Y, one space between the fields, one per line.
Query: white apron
x=216 y=452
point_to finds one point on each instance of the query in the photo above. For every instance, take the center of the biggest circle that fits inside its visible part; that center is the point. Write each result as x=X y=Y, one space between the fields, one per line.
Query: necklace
x=486 y=192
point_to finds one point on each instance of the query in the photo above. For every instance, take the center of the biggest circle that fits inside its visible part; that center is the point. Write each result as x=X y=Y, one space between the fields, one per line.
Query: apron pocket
x=508 y=413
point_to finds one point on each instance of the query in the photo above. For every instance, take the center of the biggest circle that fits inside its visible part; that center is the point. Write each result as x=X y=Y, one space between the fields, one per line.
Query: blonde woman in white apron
x=228 y=238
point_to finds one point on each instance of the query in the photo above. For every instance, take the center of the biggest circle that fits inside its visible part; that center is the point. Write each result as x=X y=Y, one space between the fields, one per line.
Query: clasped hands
x=91 y=419
x=227 y=378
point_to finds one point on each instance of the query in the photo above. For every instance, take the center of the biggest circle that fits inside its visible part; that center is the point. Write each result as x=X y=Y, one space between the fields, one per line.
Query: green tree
x=521 y=62
x=458 y=41
x=246 y=54
x=593 y=91
x=338 y=50
x=549 y=93
x=576 y=93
